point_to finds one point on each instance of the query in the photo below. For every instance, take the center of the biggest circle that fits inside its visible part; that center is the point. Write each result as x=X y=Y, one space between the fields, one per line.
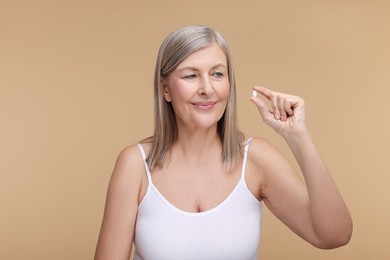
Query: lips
x=204 y=106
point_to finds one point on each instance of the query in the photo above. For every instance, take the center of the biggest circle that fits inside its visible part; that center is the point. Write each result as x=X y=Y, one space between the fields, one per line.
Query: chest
x=231 y=230
x=195 y=189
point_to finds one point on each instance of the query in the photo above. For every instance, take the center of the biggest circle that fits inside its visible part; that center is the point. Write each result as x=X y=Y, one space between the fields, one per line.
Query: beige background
x=76 y=87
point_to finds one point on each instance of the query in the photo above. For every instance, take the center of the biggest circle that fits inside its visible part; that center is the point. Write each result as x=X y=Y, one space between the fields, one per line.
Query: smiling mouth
x=204 y=105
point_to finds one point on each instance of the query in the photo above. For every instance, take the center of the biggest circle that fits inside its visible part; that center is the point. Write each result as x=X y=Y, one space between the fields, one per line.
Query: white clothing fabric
x=229 y=231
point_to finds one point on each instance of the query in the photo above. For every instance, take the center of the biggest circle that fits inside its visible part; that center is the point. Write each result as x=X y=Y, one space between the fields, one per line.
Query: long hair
x=175 y=48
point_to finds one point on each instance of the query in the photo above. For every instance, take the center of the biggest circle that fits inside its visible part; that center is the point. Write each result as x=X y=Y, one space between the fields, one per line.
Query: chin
x=206 y=124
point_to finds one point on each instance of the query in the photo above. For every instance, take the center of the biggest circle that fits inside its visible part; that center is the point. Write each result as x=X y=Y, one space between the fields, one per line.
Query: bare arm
x=314 y=209
x=117 y=230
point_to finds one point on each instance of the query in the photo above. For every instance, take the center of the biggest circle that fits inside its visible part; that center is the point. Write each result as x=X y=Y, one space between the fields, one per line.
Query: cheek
x=177 y=91
x=181 y=94
x=224 y=91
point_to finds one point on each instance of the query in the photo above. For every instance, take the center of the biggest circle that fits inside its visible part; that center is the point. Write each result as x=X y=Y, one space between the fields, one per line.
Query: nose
x=206 y=87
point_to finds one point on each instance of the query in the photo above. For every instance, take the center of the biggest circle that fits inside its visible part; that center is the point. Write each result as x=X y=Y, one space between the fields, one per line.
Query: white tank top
x=230 y=230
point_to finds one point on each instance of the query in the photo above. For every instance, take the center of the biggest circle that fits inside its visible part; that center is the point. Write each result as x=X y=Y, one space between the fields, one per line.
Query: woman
x=194 y=189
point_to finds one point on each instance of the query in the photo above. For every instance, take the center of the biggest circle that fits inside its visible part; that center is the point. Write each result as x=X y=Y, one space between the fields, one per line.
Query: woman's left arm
x=330 y=220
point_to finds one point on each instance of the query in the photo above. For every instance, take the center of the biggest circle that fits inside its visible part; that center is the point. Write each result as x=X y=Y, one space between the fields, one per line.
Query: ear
x=166 y=91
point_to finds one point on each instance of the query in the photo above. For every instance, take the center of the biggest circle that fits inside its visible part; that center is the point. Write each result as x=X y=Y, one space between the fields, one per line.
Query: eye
x=218 y=74
x=190 y=76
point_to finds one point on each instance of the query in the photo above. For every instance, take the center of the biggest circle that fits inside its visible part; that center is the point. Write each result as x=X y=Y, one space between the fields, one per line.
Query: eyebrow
x=190 y=67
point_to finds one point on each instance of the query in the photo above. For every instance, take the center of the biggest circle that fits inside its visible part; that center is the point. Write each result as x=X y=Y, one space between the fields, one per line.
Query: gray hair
x=175 y=48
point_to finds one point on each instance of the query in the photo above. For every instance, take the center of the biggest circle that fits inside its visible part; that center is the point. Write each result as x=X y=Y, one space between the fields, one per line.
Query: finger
x=271 y=96
x=275 y=106
x=282 y=109
x=263 y=109
x=264 y=91
x=288 y=107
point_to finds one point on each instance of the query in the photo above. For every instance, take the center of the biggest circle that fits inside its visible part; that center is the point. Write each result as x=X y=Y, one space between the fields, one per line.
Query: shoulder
x=261 y=148
x=131 y=156
x=265 y=166
x=264 y=156
x=259 y=162
x=129 y=171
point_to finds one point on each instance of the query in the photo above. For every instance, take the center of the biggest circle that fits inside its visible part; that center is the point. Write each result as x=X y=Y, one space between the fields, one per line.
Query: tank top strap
x=245 y=156
x=146 y=165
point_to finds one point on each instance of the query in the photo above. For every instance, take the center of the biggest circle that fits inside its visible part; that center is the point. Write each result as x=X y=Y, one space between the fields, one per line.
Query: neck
x=198 y=146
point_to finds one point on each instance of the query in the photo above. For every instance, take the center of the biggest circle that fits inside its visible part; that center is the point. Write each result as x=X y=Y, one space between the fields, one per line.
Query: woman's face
x=199 y=88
